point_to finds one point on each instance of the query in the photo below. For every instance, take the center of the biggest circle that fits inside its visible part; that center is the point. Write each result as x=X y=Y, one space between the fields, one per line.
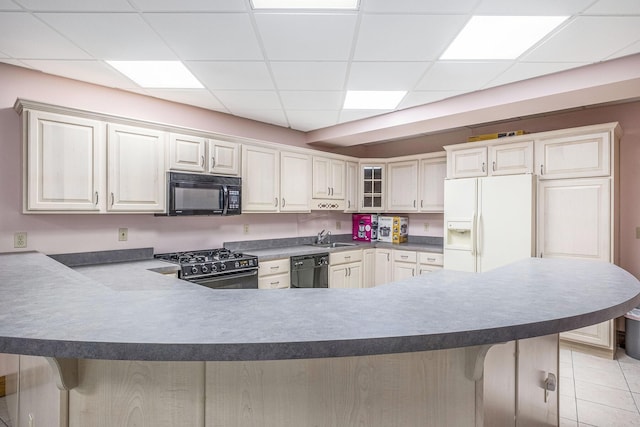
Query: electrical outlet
x=20 y=239
x=338 y=225
x=245 y=228
x=426 y=226
x=123 y=234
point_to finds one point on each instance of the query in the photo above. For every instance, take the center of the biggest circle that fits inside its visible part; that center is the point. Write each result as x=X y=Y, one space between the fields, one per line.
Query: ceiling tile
x=198 y=97
x=90 y=71
x=110 y=35
x=531 y=8
x=385 y=75
x=208 y=36
x=599 y=37
x=8 y=5
x=275 y=117
x=23 y=36
x=528 y=70
x=232 y=75
x=309 y=75
x=13 y=62
x=405 y=37
x=191 y=5
x=467 y=76
x=352 y=115
x=310 y=120
x=312 y=100
x=419 y=6
x=236 y=100
x=614 y=7
x=416 y=98
x=318 y=36
x=629 y=50
x=77 y=5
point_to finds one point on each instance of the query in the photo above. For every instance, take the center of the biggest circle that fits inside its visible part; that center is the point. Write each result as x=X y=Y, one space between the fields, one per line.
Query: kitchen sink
x=332 y=245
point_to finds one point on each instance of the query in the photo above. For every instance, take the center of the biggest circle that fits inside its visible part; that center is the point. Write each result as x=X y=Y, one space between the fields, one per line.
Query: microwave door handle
x=225 y=199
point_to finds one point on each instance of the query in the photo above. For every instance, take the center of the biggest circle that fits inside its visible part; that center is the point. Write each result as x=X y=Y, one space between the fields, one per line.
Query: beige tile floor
x=599 y=392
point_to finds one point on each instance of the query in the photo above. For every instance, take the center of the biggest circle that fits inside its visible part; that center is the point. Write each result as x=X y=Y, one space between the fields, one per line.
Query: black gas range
x=216 y=268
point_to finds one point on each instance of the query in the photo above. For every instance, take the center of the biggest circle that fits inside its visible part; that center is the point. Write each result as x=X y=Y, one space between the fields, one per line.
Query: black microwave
x=194 y=194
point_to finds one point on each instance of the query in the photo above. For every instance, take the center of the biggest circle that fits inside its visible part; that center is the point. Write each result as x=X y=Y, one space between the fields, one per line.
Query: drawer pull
x=275 y=283
x=431 y=259
x=275 y=267
x=347 y=257
x=404 y=256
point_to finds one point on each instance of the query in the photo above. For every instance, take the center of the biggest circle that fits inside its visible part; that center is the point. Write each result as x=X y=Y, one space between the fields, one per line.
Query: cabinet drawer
x=404 y=256
x=275 y=281
x=431 y=258
x=346 y=256
x=276 y=266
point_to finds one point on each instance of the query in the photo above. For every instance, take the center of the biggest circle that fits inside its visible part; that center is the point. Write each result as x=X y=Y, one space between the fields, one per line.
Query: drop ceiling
x=293 y=69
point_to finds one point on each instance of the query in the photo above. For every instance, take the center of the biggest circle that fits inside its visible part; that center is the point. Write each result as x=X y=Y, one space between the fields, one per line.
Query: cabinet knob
x=283 y=202
x=112 y=199
x=494 y=166
x=275 y=203
x=483 y=167
x=213 y=162
x=202 y=161
x=96 y=198
x=541 y=169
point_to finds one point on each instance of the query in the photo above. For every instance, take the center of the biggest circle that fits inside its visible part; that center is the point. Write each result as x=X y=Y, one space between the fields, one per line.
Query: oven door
x=246 y=279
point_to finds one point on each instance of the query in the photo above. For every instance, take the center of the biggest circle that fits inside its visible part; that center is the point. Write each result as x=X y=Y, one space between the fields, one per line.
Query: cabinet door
x=382 y=271
x=403 y=270
x=432 y=175
x=337 y=173
x=599 y=335
x=328 y=178
x=468 y=162
x=574 y=219
x=295 y=182
x=402 y=186
x=338 y=276
x=224 y=157
x=64 y=157
x=372 y=180
x=427 y=268
x=354 y=275
x=369 y=266
x=351 y=192
x=136 y=172
x=574 y=156
x=510 y=159
x=260 y=179
x=187 y=153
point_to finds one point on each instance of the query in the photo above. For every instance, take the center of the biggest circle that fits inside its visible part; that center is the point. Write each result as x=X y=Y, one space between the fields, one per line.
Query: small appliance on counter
x=365 y=227
x=393 y=229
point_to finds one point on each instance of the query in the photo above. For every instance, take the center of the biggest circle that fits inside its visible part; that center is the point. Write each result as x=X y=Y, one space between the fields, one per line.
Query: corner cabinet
x=136 y=171
x=274 y=181
x=64 y=162
x=372 y=187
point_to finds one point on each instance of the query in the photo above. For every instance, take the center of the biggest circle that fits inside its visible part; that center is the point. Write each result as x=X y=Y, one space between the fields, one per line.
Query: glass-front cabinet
x=372 y=181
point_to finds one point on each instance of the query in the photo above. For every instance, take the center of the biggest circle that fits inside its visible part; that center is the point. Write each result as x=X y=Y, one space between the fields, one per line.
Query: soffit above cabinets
x=293 y=69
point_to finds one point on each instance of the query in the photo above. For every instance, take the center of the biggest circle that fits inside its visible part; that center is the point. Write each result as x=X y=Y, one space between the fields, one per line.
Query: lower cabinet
x=345 y=269
x=404 y=264
x=377 y=267
x=274 y=274
x=429 y=262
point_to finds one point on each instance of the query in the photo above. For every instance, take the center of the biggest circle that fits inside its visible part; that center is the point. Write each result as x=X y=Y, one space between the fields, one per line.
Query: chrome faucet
x=322 y=236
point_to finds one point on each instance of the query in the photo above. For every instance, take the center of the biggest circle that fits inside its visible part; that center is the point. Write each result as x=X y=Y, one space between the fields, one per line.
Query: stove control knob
x=205 y=269
x=214 y=267
x=237 y=264
x=223 y=266
x=194 y=270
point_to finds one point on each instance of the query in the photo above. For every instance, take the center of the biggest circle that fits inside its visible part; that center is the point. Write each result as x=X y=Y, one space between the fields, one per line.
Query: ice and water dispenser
x=459 y=234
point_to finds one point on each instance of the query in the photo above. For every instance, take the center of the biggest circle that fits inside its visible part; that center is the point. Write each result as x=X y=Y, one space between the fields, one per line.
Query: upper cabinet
x=511 y=159
x=328 y=178
x=467 y=162
x=433 y=171
x=372 y=184
x=198 y=154
x=351 y=187
x=402 y=186
x=64 y=163
x=417 y=184
x=136 y=170
x=274 y=181
x=490 y=159
x=573 y=156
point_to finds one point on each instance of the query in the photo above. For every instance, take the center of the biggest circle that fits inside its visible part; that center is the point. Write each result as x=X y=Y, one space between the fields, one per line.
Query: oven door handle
x=231 y=276
x=225 y=198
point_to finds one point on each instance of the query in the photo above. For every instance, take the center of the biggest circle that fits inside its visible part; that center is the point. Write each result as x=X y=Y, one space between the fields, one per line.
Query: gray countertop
x=126 y=311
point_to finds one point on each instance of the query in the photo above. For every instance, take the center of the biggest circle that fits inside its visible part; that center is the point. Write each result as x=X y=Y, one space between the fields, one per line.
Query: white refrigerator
x=488 y=222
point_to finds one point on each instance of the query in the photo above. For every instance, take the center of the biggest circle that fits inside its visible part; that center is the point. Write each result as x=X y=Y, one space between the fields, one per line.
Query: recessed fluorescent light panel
x=500 y=37
x=158 y=74
x=373 y=99
x=305 y=4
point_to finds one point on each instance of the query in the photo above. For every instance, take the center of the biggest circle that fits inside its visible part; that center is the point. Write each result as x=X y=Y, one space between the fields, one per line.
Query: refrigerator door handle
x=479 y=234
x=473 y=234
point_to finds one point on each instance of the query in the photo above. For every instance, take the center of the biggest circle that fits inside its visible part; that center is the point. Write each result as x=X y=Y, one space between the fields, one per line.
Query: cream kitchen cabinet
x=198 y=154
x=574 y=156
x=345 y=269
x=328 y=178
x=402 y=186
x=429 y=262
x=136 y=169
x=492 y=158
x=351 y=187
x=224 y=157
x=187 y=153
x=372 y=187
x=433 y=171
x=512 y=158
x=377 y=267
x=467 y=162
x=64 y=163
x=274 y=181
x=274 y=274
x=404 y=264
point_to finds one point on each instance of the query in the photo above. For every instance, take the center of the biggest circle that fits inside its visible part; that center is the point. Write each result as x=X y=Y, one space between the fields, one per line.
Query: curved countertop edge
x=246 y=351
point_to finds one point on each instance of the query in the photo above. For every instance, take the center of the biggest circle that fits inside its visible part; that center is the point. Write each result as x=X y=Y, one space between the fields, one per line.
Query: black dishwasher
x=310 y=271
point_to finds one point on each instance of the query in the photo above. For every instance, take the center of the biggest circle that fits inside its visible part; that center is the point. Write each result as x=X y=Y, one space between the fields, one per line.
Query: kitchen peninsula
x=135 y=347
